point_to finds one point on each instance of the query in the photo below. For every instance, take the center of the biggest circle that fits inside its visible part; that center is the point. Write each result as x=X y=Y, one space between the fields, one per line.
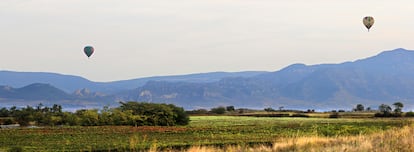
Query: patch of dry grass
x=397 y=139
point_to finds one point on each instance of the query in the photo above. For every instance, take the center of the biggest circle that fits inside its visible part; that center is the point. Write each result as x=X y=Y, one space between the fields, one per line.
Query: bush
x=218 y=110
x=269 y=109
x=129 y=113
x=334 y=115
x=180 y=117
x=154 y=114
x=387 y=114
x=409 y=114
x=198 y=111
x=6 y=121
x=382 y=115
x=230 y=108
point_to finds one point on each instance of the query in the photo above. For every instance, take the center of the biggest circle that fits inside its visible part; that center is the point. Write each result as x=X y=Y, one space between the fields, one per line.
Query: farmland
x=216 y=131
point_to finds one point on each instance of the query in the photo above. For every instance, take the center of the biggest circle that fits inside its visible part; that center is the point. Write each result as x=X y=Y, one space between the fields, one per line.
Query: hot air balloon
x=368 y=22
x=88 y=50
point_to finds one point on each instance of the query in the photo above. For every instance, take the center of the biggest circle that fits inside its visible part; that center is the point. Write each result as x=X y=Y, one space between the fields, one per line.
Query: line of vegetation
x=396 y=139
x=359 y=111
x=155 y=127
x=129 y=113
x=217 y=131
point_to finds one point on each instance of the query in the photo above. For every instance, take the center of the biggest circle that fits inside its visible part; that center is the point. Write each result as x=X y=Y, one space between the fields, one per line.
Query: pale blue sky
x=135 y=38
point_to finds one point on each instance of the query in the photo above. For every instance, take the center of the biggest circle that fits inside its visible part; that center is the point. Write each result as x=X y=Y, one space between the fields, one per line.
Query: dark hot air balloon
x=368 y=22
x=88 y=50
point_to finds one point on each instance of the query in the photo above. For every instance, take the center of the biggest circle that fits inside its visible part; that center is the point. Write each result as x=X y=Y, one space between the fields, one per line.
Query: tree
x=120 y=117
x=385 y=109
x=198 y=111
x=181 y=117
x=312 y=110
x=13 y=110
x=409 y=114
x=218 y=110
x=230 y=108
x=55 y=120
x=130 y=113
x=359 y=107
x=88 y=117
x=24 y=115
x=270 y=109
x=39 y=107
x=105 y=117
x=4 y=112
x=144 y=113
x=398 y=107
x=57 y=110
x=69 y=118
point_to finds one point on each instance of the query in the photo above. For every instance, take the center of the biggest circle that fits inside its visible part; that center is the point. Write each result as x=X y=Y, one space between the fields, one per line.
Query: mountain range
x=384 y=78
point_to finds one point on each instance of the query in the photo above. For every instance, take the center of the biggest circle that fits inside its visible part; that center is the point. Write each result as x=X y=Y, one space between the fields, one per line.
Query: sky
x=142 y=38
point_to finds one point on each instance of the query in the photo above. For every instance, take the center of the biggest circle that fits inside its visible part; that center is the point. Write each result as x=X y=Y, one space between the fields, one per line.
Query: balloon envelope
x=88 y=50
x=368 y=22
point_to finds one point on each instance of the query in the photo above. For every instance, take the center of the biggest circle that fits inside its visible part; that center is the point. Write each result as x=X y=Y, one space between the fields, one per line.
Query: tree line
x=385 y=110
x=218 y=110
x=128 y=113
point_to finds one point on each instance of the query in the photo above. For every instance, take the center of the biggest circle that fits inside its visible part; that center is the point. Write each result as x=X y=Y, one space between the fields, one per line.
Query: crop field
x=212 y=131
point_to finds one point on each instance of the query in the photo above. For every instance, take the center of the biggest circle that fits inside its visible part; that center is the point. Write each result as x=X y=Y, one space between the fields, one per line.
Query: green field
x=202 y=131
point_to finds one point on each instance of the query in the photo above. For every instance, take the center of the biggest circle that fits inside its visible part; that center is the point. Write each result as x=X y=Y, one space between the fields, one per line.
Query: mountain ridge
x=70 y=83
x=383 y=78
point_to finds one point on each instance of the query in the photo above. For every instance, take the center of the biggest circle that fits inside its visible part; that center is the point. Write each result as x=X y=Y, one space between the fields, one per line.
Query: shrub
x=269 y=109
x=154 y=114
x=230 y=108
x=198 y=111
x=6 y=121
x=180 y=117
x=387 y=115
x=334 y=115
x=382 y=115
x=409 y=114
x=218 y=110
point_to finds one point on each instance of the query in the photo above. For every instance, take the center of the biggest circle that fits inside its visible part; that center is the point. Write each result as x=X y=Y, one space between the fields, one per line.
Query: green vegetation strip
x=202 y=130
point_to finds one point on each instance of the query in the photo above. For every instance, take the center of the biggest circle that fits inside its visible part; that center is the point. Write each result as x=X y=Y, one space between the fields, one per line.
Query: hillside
x=383 y=78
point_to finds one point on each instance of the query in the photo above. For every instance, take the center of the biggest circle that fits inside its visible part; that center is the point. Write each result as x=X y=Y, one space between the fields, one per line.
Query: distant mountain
x=67 y=83
x=36 y=91
x=384 y=78
x=192 y=78
x=40 y=91
x=47 y=94
x=70 y=83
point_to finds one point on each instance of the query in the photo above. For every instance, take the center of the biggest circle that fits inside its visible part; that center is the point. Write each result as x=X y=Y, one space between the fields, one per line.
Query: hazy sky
x=135 y=38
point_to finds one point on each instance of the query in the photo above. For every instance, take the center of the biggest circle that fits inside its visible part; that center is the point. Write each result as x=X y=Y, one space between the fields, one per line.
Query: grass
x=396 y=139
x=203 y=131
